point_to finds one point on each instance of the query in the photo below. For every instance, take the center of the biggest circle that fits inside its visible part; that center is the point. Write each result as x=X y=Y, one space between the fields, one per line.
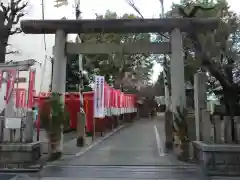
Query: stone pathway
x=133 y=153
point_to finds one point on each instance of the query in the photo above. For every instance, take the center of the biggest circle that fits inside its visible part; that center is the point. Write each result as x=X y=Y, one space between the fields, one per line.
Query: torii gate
x=174 y=26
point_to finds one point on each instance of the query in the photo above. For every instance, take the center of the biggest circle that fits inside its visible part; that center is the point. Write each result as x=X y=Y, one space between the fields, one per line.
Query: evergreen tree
x=72 y=75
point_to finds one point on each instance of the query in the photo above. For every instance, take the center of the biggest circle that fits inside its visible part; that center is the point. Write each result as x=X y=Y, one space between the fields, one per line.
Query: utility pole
x=168 y=114
x=165 y=68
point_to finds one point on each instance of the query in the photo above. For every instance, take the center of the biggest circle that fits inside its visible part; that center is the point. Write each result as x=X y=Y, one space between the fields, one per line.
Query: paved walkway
x=135 y=152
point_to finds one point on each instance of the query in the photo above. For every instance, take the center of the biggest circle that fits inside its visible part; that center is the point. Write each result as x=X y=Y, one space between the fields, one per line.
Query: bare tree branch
x=132 y=4
x=5 y=9
x=17 y=18
x=12 y=52
x=15 y=31
x=13 y=11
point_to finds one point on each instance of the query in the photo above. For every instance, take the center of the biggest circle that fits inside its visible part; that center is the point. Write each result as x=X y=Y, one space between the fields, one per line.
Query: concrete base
x=17 y=155
x=218 y=159
x=80 y=141
x=191 y=132
x=127 y=117
x=116 y=121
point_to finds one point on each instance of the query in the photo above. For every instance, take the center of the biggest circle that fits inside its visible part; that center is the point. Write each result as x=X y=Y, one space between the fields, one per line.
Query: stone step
x=121 y=172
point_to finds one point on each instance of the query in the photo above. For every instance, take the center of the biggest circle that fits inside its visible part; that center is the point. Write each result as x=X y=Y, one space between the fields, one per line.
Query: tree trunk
x=119 y=80
x=2 y=39
x=2 y=51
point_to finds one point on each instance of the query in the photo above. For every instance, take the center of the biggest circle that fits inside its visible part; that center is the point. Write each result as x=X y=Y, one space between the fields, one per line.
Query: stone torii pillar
x=177 y=73
x=177 y=70
x=60 y=63
x=59 y=71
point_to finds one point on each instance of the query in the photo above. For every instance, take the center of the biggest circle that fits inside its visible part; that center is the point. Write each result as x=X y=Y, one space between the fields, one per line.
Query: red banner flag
x=31 y=88
x=109 y=97
x=10 y=84
x=20 y=97
x=118 y=94
x=23 y=99
x=17 y=103
x=105 y=95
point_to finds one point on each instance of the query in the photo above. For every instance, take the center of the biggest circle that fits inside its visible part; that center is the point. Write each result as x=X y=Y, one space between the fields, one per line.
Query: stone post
x=207 y=127
x=81 y=128
x=59 y=69
x=199 y=100
x=237 y=125
x=28 y=131
x=2 y=128
x=217 y=129
x=227 y=129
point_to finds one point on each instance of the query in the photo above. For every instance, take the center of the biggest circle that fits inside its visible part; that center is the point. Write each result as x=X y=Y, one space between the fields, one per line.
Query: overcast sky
x=31 y=46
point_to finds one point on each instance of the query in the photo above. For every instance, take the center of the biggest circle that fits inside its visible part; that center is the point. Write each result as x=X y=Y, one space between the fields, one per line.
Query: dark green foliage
x=72 y=79
x=53 y=114
x=73 y=75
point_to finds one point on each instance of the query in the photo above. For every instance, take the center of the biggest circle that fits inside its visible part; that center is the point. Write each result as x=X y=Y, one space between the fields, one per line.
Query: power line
x=45 y=50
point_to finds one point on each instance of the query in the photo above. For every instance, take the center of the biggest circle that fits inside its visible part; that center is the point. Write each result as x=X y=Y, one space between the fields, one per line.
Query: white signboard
x=13 y=123
x=99 y=97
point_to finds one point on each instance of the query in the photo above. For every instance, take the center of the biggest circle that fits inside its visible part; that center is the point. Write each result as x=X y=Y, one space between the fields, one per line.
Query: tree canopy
x=118 y=69
x=214 y=52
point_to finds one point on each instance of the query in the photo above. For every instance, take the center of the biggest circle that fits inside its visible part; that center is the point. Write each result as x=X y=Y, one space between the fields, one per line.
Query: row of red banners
x=117 y=102
x=117 y=99
x=112 y=98
x=22 y=100
x=107 y=98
